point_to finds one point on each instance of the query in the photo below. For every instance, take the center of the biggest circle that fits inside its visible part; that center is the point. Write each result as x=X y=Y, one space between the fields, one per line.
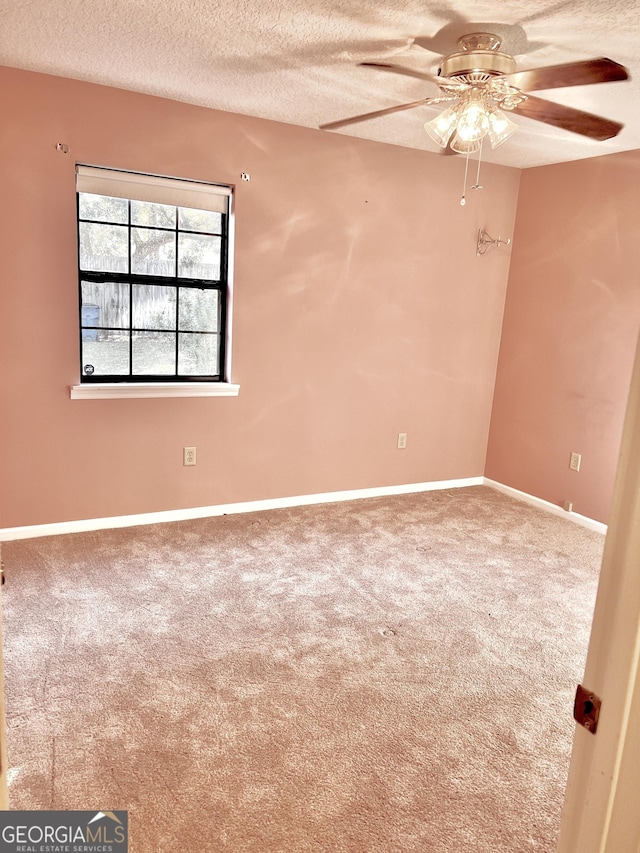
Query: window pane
x=103 y=207
x=103 y=247
x=199 y=220
x=104 y=303
x=154 y=307
x=198 y=355
x=198 y=310
x=199 y=256
x=153 y=252
x=107 y=354
x=90 y=319
x=148 y=213
x=154 y=353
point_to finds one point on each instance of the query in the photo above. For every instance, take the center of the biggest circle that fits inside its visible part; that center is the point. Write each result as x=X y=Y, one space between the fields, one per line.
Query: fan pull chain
x=478 y=185
x=463 y=200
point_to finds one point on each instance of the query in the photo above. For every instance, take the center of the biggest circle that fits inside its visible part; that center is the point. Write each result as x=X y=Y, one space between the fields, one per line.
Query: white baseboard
x=57 y=528
x=589 y=523
x=83 y=525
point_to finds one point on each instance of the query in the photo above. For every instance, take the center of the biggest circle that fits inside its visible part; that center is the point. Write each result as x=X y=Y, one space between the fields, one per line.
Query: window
x=153 y=258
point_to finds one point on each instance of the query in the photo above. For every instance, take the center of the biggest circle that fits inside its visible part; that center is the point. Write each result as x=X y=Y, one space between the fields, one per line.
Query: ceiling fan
x=480 y=82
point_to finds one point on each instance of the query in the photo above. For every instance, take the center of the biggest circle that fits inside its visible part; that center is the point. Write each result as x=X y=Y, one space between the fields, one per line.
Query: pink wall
x=570 y=328
x=361 y=311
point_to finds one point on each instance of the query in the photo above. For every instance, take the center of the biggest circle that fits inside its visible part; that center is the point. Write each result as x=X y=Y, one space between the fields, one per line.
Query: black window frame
x=220 y=285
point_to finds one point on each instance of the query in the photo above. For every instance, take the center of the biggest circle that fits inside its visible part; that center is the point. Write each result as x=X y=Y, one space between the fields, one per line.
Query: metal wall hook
x=485 y=240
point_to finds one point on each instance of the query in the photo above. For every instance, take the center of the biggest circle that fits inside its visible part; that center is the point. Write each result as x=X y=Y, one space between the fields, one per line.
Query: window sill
x=124 y=390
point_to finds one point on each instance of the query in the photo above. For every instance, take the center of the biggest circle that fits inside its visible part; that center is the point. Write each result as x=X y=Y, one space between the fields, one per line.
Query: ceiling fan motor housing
x=479 y=58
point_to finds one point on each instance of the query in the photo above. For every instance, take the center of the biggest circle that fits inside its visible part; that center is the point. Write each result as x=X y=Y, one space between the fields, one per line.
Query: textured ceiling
x=296 y=61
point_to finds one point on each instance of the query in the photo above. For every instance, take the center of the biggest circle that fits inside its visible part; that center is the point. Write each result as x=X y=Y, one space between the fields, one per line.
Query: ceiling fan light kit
x=465 y=125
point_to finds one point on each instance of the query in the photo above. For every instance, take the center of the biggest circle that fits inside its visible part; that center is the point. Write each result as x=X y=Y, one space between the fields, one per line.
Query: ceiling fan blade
x=583 y=73
x=401 y=69
x=568 y=118
x=342 y=122
x=449 y=82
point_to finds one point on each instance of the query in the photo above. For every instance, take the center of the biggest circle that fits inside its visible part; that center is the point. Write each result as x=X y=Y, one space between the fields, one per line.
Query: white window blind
x=133 y=185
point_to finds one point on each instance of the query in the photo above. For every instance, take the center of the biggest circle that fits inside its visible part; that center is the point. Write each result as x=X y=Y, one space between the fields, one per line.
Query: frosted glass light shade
x=465 y=146
x=473 y=124
x=465 y=125
x=500 y=128
x=441 y=128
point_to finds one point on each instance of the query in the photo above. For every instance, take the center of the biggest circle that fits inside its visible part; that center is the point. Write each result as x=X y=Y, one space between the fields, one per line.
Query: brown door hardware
x=586 y=709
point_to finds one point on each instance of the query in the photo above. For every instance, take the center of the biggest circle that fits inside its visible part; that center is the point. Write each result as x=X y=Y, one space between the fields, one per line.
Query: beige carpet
x=382 y=676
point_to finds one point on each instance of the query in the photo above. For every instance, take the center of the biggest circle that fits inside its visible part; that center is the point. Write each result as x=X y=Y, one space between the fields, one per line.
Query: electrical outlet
x=574 y=462
x=402 y=440
x=188 y=456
